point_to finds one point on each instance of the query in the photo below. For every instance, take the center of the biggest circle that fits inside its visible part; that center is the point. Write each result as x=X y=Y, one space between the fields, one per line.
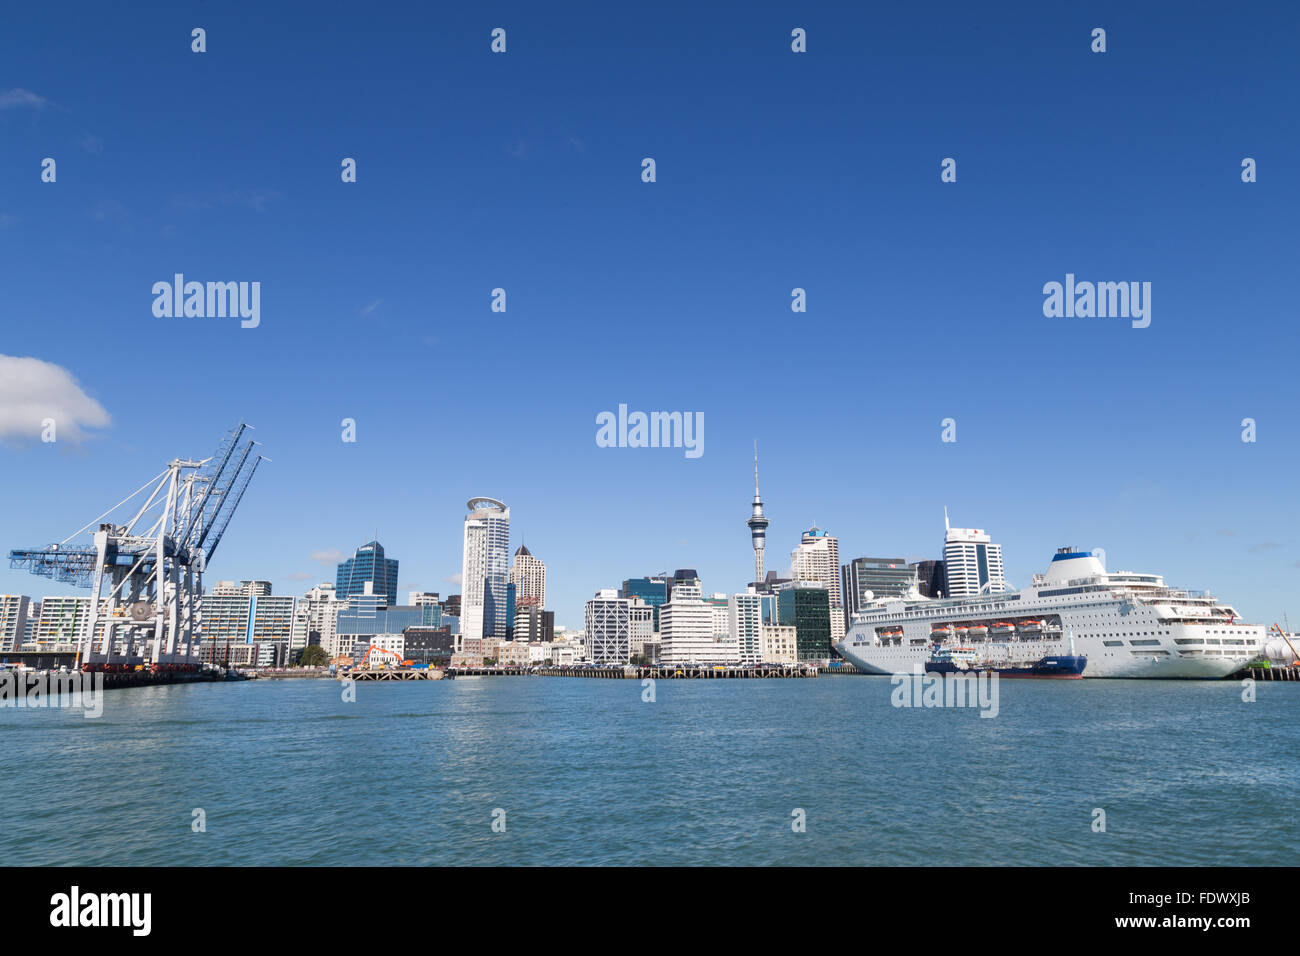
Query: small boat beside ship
x=964 y=659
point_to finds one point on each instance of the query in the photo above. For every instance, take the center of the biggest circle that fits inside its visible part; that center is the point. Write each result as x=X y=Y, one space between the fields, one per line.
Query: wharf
x=1291 y=672
x=657 y=671
x=630 y=672
x=393 y=673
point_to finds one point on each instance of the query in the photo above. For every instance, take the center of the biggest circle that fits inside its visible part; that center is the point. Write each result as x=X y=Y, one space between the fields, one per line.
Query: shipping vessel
x=1125 y=624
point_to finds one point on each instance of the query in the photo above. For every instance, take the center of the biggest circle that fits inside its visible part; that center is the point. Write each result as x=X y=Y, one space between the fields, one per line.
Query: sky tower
x=757 y=526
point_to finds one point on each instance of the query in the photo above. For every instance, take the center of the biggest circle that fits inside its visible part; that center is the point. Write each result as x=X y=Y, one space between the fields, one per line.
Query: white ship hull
x=1102 y=661
x=1126 y=625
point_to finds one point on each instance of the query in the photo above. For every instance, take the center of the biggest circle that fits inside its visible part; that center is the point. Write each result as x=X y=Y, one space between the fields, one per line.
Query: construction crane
x=375 y=648
x=145 y=576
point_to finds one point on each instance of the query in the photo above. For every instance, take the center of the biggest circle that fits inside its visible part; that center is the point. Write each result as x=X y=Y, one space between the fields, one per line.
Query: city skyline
x=776 y=171
x=301 y=586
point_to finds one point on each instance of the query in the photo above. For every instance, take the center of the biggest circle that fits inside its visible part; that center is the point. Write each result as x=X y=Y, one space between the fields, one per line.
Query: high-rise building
x=931 y=579
x=510 y=610
x=314 y=618
x=528 y=575
x=652 y=590
x=485 y=569
x=33 y=617
x=14 y=609
x=971 y=561
x=608 y=628
x=806 y=606
x=757 y=525
x=368 y=564
x=719 y=606
x=687 y=628
x=640 y=625
x=534 y=624
x=864 y=579
x=817 y=561
x=745 y=625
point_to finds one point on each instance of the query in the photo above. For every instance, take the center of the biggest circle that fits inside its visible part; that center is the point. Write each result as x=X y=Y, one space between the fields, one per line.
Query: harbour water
x=711 y=772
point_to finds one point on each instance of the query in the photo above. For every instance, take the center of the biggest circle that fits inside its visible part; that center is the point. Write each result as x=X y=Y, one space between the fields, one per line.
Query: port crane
x=146 y=575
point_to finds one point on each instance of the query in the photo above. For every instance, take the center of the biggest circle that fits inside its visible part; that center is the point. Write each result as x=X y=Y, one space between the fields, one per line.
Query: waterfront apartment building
x=14 y=609
x=609 y=628
x=485 y=569
x=368 y=565
x=33 y=616
x=528 y=575
x=864 y=579
x=61 y=622
x=971 y=561
x=687 y=630
x=246 y=613
x=806 y=607
x=745 y=625
x=64 y=621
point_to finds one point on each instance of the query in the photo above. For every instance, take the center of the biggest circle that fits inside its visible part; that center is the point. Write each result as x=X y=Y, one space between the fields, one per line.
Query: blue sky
x=775 y=170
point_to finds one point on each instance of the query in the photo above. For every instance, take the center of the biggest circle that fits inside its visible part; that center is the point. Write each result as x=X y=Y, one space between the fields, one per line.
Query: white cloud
x=372 y=306
x=32 y=391
x=18 y=98
x=452 y=579
x=302 y=576
x=331 y=556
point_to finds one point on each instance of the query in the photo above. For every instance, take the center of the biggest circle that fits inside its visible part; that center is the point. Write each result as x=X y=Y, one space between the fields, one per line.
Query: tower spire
x=757 y=525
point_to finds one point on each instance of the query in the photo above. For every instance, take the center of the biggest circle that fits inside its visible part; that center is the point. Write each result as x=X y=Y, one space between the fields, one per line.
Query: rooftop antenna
x=946 y=526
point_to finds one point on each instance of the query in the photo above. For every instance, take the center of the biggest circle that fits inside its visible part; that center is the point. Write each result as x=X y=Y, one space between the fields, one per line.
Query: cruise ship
x=1126 y=624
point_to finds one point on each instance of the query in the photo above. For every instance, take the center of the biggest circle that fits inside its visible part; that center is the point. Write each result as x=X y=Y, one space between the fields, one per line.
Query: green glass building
x=809 y=610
